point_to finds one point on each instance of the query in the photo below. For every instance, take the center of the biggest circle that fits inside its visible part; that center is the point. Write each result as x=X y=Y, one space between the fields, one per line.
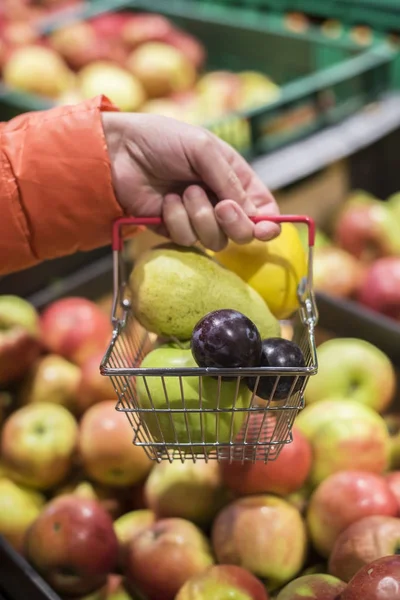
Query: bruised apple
x=364 y=541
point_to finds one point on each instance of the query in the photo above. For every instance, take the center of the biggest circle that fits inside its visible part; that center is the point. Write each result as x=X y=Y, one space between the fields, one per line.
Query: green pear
x=208 y=427
x=174 y=287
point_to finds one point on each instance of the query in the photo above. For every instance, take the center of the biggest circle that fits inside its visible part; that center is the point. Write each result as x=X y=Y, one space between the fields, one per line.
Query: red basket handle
x=117 y=239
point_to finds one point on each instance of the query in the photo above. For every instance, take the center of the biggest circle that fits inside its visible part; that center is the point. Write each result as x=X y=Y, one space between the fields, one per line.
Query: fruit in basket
x=342 y=499
x=75 y=328
x=263 y=534
x=188 y=490
x=278 y=353
x=52 y=379
x=120 y=86
x=320 y=586
x=37 y=70
x=178 y=548
x=144 y=27
x=19 y=338
x=354 y=369
x=226 y=339
x=72 y=544
x=274 y=269
x=379 y=580
x=129 y=525
x=381 y=288
x=174 y=287
x=106 y=449
x=285 y=475
x=223 y=581
x=202 y=428
x=19 y=507
x=337 y=272
x=344 y=435
x=37 y=444
x=365 y=227
x=93 y=387
x=161 y=69
x=365 y=540
x=256 y=89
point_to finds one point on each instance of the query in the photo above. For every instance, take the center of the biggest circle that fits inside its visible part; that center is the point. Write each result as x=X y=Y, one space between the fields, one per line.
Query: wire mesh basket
x=191 y=413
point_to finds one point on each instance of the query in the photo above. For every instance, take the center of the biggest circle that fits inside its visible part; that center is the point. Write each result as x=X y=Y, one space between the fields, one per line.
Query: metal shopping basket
x=203 y=427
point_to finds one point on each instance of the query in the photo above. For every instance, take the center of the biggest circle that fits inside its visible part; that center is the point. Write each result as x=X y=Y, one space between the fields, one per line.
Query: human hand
x=201 y=187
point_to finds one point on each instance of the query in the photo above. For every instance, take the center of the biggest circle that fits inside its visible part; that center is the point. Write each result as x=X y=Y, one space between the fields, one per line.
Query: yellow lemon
x=274 y=269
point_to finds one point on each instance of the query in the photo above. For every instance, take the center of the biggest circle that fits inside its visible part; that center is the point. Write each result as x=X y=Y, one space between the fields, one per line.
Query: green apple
x=189 y=490
x=191 y=428
x=313 y=587
x=38 y=442
x=127 y=526
x=344 y=435
x=354 y=369
x=19 y=507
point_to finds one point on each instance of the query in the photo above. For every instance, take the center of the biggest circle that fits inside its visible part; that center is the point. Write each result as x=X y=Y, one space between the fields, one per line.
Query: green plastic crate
x=322 y=81
x=383 y=15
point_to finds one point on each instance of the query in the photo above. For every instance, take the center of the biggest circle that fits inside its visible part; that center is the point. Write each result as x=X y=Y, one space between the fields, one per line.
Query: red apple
x=380 y=580
x=127 y=526
x=223 y=581
x=19 y=33
x=337 y=272
x=342 y=499
x=188 y=490
x=364 y=541
x=52 y=379
x=312 y=587
x=75 y=328
x=192 y=48
x=218 y=91
x=106 y=449
x=283 y=476
x=367 y=230
x=393 y=480
x=38 y=443
x=178 y=548
x=110 y=25
x=72 y=544
x=93 y=387
x=161 y=68
x=143 y=27
x=19 y=338
x=381 y=288
x=115 y=501
x=263 y=534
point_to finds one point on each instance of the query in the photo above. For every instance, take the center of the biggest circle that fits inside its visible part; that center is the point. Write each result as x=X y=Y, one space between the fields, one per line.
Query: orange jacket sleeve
x=56 y=193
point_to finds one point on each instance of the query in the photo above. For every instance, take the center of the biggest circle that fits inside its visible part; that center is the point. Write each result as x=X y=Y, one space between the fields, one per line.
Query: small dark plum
x=226 y=339
x=277 y=352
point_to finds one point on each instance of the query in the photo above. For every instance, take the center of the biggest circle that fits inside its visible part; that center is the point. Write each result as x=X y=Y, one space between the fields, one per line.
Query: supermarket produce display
x=93 y=515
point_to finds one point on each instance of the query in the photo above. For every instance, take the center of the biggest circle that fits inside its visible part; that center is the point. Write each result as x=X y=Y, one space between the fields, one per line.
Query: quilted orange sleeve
x=56 y=193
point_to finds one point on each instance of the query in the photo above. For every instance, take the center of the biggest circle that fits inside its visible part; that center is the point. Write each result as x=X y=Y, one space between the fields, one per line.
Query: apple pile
x=100 y=521
x=142 y=62
x=361 y=261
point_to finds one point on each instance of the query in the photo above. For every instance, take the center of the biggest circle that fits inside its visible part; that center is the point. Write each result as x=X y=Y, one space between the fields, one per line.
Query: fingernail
x=227 y=213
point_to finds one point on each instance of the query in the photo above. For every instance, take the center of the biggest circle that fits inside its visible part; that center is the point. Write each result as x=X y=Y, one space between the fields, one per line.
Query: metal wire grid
x=183 y=430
